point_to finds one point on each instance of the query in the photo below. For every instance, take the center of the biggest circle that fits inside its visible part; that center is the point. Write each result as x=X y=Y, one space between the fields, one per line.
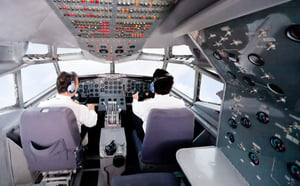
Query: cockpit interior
x=235 y=65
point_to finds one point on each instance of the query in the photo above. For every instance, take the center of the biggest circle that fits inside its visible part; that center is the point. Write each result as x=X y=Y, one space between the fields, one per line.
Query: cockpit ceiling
x=111 y=29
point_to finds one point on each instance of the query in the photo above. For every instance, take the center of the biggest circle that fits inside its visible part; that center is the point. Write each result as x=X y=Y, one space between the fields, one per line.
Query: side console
x=257 y=56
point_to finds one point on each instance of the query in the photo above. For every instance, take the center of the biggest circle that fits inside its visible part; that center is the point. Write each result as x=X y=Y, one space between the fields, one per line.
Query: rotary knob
x=253 y=158
x=262 y=117
x=230 y=137
x=245 y=122
x=232 y=123
x=294 y=170
x=277 y=144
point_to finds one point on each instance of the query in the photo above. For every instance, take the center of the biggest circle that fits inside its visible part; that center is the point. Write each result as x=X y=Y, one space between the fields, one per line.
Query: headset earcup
x=71 y=88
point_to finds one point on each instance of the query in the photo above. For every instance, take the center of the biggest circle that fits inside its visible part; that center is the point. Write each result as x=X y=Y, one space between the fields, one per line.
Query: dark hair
x=64 y=80
x=163 y=81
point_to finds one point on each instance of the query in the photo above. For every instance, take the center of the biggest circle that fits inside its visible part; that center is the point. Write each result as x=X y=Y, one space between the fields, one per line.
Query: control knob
x=277 y=144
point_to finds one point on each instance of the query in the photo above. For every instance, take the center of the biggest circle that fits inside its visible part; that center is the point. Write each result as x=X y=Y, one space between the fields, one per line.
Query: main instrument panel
x=104 y=88
x=258 y=57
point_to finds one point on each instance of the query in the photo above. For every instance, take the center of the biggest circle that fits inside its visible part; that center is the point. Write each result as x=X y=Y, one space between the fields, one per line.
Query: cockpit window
x=160 y=51
x=68 y=50
x=139 y=67
x=211 y=90
x=34 y=48
x=181 y=50
x=84 y=67
x=37 y=78
x=184 y=78
x=8 y=94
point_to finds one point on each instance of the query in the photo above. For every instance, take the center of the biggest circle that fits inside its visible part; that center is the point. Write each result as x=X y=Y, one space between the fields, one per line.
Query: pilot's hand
x=91 y=106
x=136 y=96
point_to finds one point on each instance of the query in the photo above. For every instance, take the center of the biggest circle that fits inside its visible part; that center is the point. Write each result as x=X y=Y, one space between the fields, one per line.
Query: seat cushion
x=146 y=179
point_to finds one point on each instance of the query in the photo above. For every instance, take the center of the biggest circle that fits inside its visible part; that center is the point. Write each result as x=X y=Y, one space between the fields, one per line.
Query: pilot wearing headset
x=161 y=86
x=67 y=85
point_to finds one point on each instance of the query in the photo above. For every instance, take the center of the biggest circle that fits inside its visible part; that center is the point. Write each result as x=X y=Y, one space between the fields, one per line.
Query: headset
x=151 y=86
x=71 y=88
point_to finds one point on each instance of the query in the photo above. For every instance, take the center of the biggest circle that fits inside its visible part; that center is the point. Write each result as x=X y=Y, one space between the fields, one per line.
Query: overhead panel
x=111 y=29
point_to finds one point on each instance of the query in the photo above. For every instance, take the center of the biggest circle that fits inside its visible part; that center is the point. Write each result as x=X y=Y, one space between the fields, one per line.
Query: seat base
x=54 y=178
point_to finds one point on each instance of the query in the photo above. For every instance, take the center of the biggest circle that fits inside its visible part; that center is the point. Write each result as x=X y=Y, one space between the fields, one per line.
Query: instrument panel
x=112 y=87
x=257 y=57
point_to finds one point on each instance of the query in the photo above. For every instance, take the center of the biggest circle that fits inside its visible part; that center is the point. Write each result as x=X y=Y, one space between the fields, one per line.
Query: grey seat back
x=167 y=131
x=50 y=139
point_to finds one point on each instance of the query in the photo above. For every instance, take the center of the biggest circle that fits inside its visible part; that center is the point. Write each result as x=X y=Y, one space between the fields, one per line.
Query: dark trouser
x=138 y=126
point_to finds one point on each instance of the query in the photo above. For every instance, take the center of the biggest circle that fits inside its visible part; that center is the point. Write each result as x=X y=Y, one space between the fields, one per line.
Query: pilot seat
x=167 y=131
x=51 y=143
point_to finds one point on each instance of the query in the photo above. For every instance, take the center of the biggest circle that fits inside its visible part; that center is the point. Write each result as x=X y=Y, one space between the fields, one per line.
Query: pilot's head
x=67 y=83
x=163 y=81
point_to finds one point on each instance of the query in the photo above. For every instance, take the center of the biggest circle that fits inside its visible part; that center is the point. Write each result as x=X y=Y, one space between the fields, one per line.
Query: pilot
x=161 y=86
x=67 y=85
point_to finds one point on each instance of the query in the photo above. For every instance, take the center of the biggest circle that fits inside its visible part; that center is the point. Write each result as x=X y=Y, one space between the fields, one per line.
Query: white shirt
x=143 y=108
x=83 y=115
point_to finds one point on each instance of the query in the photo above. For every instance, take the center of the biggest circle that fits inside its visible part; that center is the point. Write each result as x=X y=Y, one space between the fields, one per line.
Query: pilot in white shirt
x=161 y=85
x=67 y=85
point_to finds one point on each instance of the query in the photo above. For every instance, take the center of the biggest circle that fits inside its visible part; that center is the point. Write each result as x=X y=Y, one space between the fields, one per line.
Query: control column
x=112 y=153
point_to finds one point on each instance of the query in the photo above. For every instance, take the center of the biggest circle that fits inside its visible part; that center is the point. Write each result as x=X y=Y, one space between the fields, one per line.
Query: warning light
x=154 y=17
x=129 y=17
x=137 y=3
x=150 y=4
x=65 y=8
x=83 y=1
x=85 y=9
x=144 y=17
x=92 y=1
